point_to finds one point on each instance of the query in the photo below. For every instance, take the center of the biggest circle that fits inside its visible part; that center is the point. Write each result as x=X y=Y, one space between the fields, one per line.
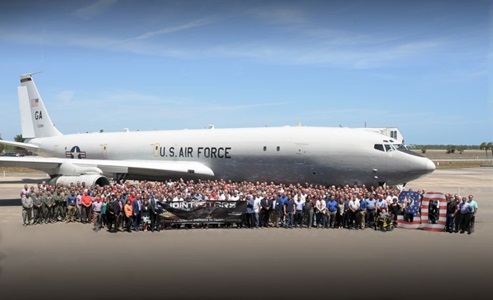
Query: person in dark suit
x=274 y=211
x=154 y=213
x=265 y=207
x=137 y=210
x=112 y=212
x=309 y=211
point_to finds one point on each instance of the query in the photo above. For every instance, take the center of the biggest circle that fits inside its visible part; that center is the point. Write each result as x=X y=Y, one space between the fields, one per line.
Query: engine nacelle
x=72 y=170
x=90 y=179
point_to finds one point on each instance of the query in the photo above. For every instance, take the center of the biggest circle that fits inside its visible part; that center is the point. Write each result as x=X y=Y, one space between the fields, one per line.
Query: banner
x=433 y=211
x=412 y=211
x=204 y=211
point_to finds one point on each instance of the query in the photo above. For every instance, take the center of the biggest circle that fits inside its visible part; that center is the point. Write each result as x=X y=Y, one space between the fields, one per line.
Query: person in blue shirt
x=282 y=201
x=250 y=217
x=474 y=210
x=361 y=212
x=370 y=210
x=71 y=203
x=289 y=211
x=331 y=211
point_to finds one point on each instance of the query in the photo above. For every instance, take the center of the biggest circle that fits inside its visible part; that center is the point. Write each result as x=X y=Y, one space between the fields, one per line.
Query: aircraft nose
x=430 y=166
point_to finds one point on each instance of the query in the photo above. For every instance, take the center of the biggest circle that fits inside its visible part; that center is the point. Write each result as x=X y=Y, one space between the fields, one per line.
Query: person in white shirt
x=320 y=208
x=300 y=203
x=234 y=197
x=353 y=211
x=256 y=210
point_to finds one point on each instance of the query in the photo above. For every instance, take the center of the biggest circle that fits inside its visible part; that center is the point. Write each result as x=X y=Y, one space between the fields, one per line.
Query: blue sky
x=422 y=66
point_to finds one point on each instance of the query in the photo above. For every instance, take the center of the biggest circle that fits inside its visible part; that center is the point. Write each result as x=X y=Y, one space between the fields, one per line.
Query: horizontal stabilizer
x=26 y=146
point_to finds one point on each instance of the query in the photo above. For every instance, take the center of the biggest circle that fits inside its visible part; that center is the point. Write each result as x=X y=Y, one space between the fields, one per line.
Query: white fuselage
x=321 y=155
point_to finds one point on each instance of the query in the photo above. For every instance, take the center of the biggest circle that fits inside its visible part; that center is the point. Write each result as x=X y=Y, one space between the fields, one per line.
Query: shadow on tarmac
x=10 y=202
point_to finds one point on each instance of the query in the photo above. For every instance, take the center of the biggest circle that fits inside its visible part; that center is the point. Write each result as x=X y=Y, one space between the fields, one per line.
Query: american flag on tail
x=34 y=102
x=411 y=205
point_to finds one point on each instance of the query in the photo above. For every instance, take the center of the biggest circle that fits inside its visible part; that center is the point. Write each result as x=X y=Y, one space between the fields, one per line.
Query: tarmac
x=71 y=261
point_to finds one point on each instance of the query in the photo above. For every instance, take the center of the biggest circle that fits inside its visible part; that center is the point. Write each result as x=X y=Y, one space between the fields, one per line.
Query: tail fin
x=35 y=120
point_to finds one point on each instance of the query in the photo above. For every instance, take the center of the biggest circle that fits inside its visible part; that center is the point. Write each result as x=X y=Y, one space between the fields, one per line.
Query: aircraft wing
x=51 y=166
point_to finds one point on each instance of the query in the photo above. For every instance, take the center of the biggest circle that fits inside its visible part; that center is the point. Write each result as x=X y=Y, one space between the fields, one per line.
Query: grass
x=468 y=159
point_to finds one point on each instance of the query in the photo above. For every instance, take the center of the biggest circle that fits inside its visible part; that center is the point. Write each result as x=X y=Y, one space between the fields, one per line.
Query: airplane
x=286 y=154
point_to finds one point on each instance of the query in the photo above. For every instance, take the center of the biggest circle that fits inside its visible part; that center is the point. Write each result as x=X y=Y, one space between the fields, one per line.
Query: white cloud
x=92 y=10
x=65 y=97
x=172 y=29
x=279 y=14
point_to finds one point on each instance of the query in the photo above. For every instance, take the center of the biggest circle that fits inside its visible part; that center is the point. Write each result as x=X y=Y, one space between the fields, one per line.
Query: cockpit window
x=400 y=146
x=388 y=147
x=379 y=147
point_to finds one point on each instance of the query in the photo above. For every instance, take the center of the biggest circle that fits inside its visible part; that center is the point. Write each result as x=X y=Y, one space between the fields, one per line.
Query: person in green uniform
x=27 y=209
x=49 y=203
x=38 y=207
x=59 y=210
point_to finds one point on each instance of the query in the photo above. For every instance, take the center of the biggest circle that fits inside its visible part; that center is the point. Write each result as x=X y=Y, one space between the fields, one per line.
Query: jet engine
x=71 y=174
x=93 y=180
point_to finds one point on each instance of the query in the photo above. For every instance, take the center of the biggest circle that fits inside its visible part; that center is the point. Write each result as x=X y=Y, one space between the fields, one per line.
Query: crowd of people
x=138 y=206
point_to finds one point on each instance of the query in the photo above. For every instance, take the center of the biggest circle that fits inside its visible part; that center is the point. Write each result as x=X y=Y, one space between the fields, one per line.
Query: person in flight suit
x=38 y=207
x=27 y=209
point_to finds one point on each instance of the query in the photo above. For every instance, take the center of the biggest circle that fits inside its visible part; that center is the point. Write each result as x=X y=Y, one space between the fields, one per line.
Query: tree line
x=451 y=149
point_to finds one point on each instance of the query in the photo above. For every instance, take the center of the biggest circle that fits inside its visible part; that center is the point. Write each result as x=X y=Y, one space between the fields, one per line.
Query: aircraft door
x=300 y=149
x=56 y=148
x=379 y=158
x=104 y=149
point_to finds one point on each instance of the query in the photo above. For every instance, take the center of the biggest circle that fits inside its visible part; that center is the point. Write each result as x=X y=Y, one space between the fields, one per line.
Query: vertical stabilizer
x=35 y=120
